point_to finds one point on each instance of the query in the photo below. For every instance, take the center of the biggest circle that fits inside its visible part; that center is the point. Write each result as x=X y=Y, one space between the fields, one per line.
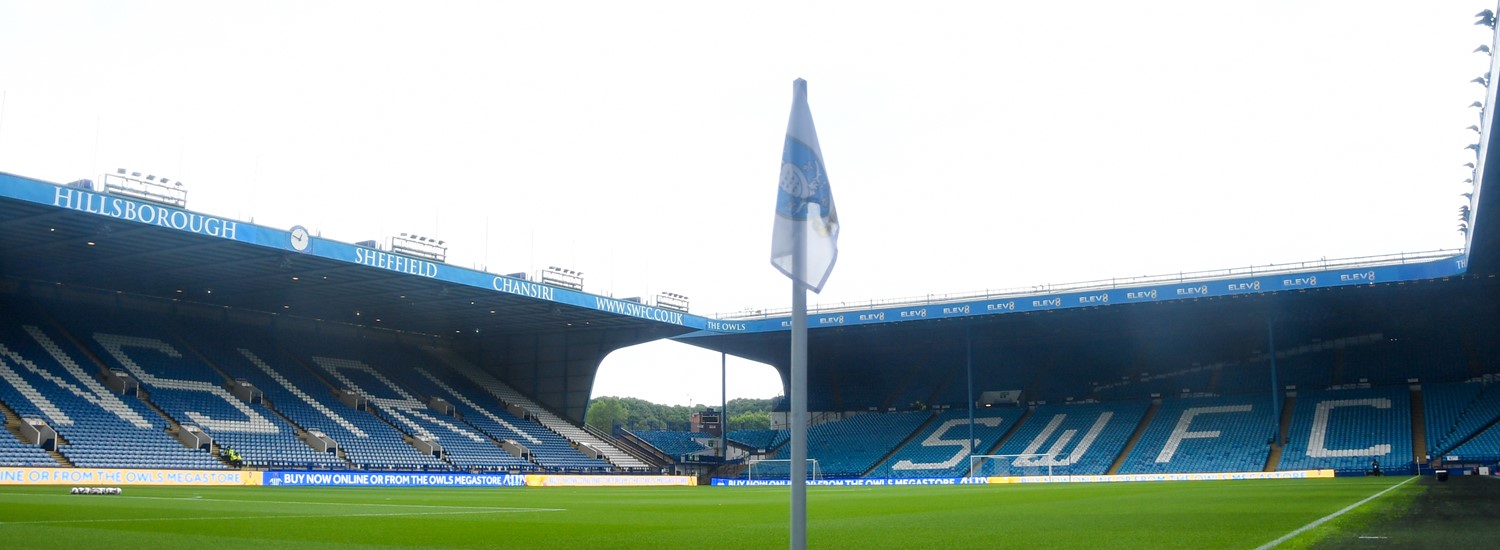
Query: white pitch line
x=1325 y=519
x=298 y=516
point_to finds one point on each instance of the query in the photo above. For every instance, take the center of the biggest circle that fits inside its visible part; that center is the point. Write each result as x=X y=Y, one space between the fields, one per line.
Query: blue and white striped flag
x=804 y=201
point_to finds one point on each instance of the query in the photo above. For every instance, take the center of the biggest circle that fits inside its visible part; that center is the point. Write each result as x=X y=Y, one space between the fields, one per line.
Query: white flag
x=804 y=201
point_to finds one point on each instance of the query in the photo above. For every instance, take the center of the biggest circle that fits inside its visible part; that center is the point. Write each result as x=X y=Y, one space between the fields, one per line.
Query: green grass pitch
x=1212 y=514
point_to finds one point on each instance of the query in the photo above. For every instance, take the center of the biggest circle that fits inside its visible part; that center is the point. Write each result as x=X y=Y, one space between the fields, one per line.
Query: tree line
x=608 y=413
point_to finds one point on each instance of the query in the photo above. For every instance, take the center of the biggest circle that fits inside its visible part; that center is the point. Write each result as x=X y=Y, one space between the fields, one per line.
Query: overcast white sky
x=970 y=145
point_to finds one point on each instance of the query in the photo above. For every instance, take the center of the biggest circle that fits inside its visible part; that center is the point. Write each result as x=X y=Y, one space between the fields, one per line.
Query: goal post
x=1016 y=465
x=780 y=468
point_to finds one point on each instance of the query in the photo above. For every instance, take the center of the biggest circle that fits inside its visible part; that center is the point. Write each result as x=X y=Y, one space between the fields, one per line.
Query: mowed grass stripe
x=1218 y=514
x=1331 y=517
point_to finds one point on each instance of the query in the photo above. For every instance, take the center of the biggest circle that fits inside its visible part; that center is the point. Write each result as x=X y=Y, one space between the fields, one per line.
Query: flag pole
x=803 y=198
x=799 y=390
x=724 y=406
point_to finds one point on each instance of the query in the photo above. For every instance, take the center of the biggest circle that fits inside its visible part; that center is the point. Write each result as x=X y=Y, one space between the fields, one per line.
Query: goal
x=1018 y=465
x=780 y=468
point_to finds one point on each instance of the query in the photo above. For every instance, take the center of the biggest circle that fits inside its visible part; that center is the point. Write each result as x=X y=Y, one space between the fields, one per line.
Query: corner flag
x=804 y=199
x=804 y=246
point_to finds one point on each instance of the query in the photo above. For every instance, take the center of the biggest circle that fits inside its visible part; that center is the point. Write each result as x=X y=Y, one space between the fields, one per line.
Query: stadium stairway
x=615 y=442
x=396 y=405
x=16 y=452
x=1135 y=437
x=1204 y=434
x=97 y=427
x=640 y=446
x=546 y=447
x=614 y=455
x=297 y=393
x=1288 y=405
x=881 y=463
x=1080 y=438
x=1418 y=426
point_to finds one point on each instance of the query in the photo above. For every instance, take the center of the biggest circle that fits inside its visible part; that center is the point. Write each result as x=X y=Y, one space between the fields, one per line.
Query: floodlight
x=1482 y=48
x=151 y=178
x=120 y=171
x=135 y=174
x=1480 y=81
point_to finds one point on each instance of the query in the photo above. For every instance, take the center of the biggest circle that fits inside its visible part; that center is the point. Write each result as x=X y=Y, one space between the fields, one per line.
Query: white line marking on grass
x=297 y=516
x=1328 y=517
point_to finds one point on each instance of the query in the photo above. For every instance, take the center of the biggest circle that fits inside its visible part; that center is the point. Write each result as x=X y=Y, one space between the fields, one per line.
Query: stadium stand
x=1384 y=361
x=97 y=428
x=850 y=447
x=545 y=418
x=759 y=440
x=15 y=453
x=193 y=393
x=1347 y=429
x=545 y=447
x=1308 y=371
x=1167 y=383
x=381 y=399
x=1483 y=447
x=461 y=446
x=939 y=450
x=674 y=444
x=1470 y=436
x=1079 y=439
x=308 y=401
x=1242 y=377
x=14 y=450
x=1205 y=434
x=1444 y=405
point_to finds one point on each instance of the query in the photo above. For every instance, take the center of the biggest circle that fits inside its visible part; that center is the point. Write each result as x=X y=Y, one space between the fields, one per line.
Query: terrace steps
x=1273 y=460
x=1135 y=437
x=904 y=441
x=1418 y=427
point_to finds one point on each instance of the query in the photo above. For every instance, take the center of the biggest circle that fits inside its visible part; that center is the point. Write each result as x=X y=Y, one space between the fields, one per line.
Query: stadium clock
x=300 y=239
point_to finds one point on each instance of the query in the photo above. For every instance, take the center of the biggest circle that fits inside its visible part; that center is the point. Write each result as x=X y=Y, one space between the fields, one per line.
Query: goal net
x=1018 y=465
x=780 y=468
